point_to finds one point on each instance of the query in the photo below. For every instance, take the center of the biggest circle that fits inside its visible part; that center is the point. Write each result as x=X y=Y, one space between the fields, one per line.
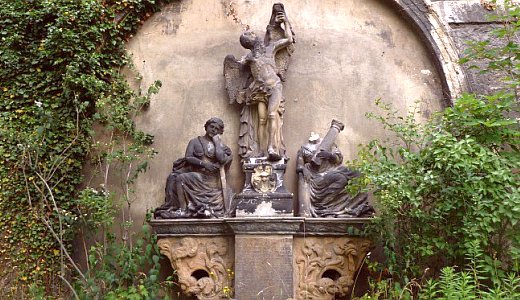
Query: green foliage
x=503 y=58
x=116 y=270
x=94 y=207
x=60 y=63
x=456 y=186
x=473 y=283
x=453 y=184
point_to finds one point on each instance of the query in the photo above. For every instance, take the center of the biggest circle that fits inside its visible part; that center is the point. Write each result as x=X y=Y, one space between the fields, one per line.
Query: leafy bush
x=454 y=186
x=450 y=188
x=475 y=282
x=117 y=271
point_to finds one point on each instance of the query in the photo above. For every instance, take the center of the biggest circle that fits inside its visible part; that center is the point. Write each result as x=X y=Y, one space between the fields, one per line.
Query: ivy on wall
x=60 y=63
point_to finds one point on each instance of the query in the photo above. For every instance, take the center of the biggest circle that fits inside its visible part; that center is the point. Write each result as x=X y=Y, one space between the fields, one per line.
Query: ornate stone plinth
x=264 y=193
x=272 y=257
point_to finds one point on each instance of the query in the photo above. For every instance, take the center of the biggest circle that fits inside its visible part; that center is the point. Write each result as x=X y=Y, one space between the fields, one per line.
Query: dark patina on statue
x=255 y=81
x=196 y=187
x=314 y=256
x=322 y=180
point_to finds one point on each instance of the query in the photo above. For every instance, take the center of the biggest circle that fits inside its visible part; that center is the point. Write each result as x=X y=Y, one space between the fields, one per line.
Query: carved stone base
x=274 y=258
x=264 y=193
x=203 y=265
x=327 y=266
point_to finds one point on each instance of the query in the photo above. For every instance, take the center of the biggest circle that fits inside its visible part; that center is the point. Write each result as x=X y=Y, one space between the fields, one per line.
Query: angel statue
x=255 y=81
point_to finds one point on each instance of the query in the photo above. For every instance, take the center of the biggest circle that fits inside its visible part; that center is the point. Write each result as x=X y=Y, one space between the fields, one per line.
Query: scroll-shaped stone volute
x=322 y=180
x=255 y=82
x=327 y=266
x=203 y=265
x=196 y=187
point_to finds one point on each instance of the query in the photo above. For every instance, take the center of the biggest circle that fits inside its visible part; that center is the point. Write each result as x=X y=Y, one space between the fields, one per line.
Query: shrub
x=451 y=187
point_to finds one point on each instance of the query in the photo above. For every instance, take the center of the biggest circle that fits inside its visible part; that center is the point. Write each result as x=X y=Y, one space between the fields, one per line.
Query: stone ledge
x=462 y=12
x=269 y=225
x=258 y=226
x=333 y=226
x=190 y=227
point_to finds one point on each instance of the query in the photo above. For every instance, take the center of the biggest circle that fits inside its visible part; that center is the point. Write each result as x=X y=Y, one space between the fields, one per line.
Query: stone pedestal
x=264 y=193
x=270 y=257
x=264 y=257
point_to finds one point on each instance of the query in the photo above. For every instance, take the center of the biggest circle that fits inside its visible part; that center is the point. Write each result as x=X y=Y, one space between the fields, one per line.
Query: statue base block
x=264 y=264
x=264 y=193
x=264 y=205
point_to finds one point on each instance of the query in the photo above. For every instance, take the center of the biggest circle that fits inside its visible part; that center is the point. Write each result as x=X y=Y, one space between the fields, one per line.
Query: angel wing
x=275 y=32
x=237 y=78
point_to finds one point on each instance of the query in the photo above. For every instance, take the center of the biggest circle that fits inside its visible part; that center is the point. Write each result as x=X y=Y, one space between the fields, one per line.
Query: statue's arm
x=289 y=39
x=190 y=155
x=222 y=152
x=193 y=160
x=244 y=60
x=337 y=155
x=228 y=156
x=333 y=156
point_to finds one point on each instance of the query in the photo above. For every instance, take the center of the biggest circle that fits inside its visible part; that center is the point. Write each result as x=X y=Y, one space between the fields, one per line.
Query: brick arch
x=434 y=33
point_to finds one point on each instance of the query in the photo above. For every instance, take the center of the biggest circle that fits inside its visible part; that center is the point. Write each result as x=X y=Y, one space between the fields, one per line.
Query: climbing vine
x=60 y=74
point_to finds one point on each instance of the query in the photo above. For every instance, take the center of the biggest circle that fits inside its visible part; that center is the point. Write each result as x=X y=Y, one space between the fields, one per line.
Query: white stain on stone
x=264 y=209
x=426 y=72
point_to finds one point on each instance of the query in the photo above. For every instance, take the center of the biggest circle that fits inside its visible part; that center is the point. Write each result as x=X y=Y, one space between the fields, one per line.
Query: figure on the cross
x=256 y=81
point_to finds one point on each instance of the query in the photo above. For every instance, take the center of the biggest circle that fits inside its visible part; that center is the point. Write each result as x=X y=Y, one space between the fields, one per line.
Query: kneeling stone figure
x=323 y=180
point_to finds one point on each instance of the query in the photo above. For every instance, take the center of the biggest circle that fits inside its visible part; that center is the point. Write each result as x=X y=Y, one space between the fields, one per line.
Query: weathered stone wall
x=348 y=53
x=470 y=21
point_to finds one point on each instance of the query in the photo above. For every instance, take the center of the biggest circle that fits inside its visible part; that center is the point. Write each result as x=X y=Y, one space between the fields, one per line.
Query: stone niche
x=348 y=54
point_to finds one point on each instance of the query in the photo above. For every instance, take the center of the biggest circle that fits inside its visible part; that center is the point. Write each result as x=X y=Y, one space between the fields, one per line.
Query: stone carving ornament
x=323 y=178
x=263 y=179
x=255 y=81
x=203 y=265
x=327 y=266
x=196 y=185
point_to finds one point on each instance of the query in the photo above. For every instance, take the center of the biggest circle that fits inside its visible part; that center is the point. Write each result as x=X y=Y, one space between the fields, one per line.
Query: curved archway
x=434 y=32
x=348 y=54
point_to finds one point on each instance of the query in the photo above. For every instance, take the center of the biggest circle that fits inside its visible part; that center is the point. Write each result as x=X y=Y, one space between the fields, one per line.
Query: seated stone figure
x=323 y=180
x=195 y=188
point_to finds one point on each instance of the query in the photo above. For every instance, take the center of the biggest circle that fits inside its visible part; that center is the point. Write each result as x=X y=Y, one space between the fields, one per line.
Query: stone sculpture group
x=255 y=81
x=196 y=186
x=253 y=244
